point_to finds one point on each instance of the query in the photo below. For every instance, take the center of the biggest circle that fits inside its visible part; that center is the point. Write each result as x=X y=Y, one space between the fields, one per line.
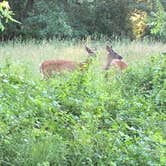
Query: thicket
x=81 y=18
x=84 y=118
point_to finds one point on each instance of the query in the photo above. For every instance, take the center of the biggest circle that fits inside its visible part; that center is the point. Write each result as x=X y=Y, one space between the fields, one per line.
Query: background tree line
x=81 y=18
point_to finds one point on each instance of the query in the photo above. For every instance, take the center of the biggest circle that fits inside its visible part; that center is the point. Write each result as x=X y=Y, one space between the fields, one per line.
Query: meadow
x=82 y=118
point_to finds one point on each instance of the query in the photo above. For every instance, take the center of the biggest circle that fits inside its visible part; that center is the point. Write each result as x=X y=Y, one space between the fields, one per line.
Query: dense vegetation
x=84 y=118
x=88 y=117
x=81 y=18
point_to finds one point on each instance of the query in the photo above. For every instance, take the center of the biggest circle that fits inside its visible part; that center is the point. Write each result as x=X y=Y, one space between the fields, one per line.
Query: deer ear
x=90 y=52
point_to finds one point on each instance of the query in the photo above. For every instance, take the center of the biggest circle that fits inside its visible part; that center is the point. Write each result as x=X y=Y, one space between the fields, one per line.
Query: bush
x=83 y=118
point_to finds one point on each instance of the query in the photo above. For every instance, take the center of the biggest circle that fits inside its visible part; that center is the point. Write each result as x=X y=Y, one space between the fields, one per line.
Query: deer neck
x=109 y=60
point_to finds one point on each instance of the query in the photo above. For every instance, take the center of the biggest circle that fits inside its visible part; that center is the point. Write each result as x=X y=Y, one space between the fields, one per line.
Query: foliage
x=76 y=19
x=79 y=19
x=138 y=21
x=83 y=118
x=157 y=22
x=5 y=14
x=100 y=17
x=47 y=20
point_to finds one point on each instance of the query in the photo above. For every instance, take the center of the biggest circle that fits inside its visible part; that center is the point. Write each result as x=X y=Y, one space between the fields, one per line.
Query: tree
x=157 y=22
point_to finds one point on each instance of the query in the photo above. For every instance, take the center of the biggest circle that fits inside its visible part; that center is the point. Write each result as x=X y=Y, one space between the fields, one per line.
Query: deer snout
x=120 y=57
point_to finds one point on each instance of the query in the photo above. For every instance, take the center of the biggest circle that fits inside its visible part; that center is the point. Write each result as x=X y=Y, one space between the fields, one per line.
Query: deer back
x=48 y=67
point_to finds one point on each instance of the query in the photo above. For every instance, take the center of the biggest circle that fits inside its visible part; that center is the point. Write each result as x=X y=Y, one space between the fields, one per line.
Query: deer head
x=111 y=56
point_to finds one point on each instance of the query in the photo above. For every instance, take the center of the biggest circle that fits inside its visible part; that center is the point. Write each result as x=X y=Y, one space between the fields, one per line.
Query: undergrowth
x=84 y=118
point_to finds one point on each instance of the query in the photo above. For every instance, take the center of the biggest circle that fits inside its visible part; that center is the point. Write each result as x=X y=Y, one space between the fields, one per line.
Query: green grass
x=82 y=118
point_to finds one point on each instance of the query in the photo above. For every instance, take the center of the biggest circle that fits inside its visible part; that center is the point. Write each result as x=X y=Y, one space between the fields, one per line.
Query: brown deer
x=49 y=67
x=114 y=59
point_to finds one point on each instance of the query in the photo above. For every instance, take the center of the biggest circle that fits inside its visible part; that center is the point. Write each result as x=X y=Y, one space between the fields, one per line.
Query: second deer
x=49 y=67
x=114 y=59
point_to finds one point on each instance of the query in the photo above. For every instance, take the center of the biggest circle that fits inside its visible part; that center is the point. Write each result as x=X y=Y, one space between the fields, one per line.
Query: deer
x=49 y=67
x=114 y=59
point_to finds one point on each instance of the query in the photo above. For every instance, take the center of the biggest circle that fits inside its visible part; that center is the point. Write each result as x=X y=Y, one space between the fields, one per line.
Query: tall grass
x=32 y=53
x=82 y=118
